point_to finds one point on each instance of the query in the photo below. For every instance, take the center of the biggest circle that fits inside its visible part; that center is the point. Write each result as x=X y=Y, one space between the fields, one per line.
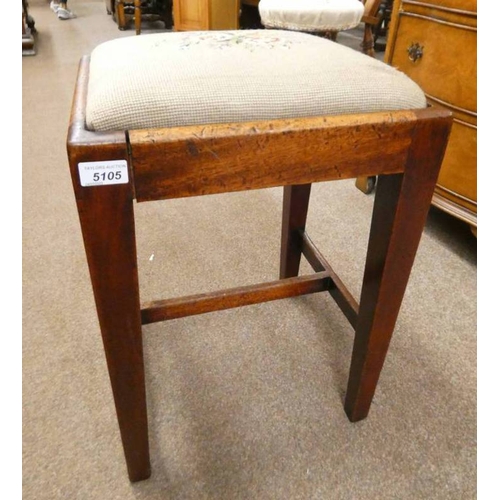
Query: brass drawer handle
x=415 y=52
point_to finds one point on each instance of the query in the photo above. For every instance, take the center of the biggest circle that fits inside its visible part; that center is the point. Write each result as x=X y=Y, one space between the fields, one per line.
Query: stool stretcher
x=235 y=297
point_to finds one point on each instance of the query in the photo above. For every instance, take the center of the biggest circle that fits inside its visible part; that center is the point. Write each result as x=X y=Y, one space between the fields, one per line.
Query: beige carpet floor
x=243 y=404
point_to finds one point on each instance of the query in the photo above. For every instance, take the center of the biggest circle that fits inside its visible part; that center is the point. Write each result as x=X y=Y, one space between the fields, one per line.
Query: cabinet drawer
x=460 y=6
x=447 y=67
x=458 y=177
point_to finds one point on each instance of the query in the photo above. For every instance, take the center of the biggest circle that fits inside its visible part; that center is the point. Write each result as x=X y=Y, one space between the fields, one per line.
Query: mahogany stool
x=300 y=114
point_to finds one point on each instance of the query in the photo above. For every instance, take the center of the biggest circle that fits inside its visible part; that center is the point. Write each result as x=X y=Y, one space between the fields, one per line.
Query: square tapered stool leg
x=108 y=228
x=295 y=206
x=401 y=205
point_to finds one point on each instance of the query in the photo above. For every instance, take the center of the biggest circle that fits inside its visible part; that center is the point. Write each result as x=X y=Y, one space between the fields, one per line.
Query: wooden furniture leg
x=120 y=15
x=368 y=44
x=401 y=206
x=28 y=31
x=331 y=35
x=371 y=18
x=108 y=229
x=137 y=16
x=366 y=184
x=107 y=221
x=295 y=205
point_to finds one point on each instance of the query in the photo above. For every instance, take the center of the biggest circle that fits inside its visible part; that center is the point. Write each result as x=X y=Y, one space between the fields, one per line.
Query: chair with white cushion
x=325 y=17
x=192 y=114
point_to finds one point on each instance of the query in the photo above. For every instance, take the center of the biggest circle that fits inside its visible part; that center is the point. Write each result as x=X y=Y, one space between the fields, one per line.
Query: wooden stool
x=128 y=140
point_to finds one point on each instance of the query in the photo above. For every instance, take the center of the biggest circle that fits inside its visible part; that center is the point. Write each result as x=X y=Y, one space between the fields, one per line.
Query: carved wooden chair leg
x=295 y=205
x=368 y=45
x=371 y=18
x=120 y=15
x=137 y=16
x=401 y=206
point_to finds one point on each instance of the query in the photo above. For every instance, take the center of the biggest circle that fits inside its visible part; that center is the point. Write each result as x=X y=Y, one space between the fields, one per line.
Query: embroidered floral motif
x=247 y=40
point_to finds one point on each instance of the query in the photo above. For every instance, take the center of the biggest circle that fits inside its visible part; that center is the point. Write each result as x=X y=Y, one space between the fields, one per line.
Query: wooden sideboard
x=434 y=43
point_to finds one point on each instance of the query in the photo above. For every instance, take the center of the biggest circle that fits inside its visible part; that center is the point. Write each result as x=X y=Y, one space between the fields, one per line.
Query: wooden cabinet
x=434 y=43
x=192 y=15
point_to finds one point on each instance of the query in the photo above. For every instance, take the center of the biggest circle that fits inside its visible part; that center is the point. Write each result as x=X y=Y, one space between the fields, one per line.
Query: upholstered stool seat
x=311 y=15
x=176 y=115
x=177 y=79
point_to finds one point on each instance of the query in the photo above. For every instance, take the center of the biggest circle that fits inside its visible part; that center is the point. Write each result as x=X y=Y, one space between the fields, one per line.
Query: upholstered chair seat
x=178 y=79
x=311 y=15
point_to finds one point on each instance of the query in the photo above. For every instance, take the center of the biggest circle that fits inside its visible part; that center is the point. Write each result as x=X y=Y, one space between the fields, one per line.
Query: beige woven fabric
x=311 y=15
x=176 y=79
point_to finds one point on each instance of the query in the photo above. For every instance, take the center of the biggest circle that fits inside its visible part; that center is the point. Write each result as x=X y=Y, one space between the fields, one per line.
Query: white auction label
x=102 y=173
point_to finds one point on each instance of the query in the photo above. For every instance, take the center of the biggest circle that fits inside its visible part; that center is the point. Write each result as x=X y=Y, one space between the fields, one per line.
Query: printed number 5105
x=106 y=176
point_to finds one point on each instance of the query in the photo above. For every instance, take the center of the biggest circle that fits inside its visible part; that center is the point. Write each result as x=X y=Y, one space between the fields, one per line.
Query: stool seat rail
x=220 y=158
